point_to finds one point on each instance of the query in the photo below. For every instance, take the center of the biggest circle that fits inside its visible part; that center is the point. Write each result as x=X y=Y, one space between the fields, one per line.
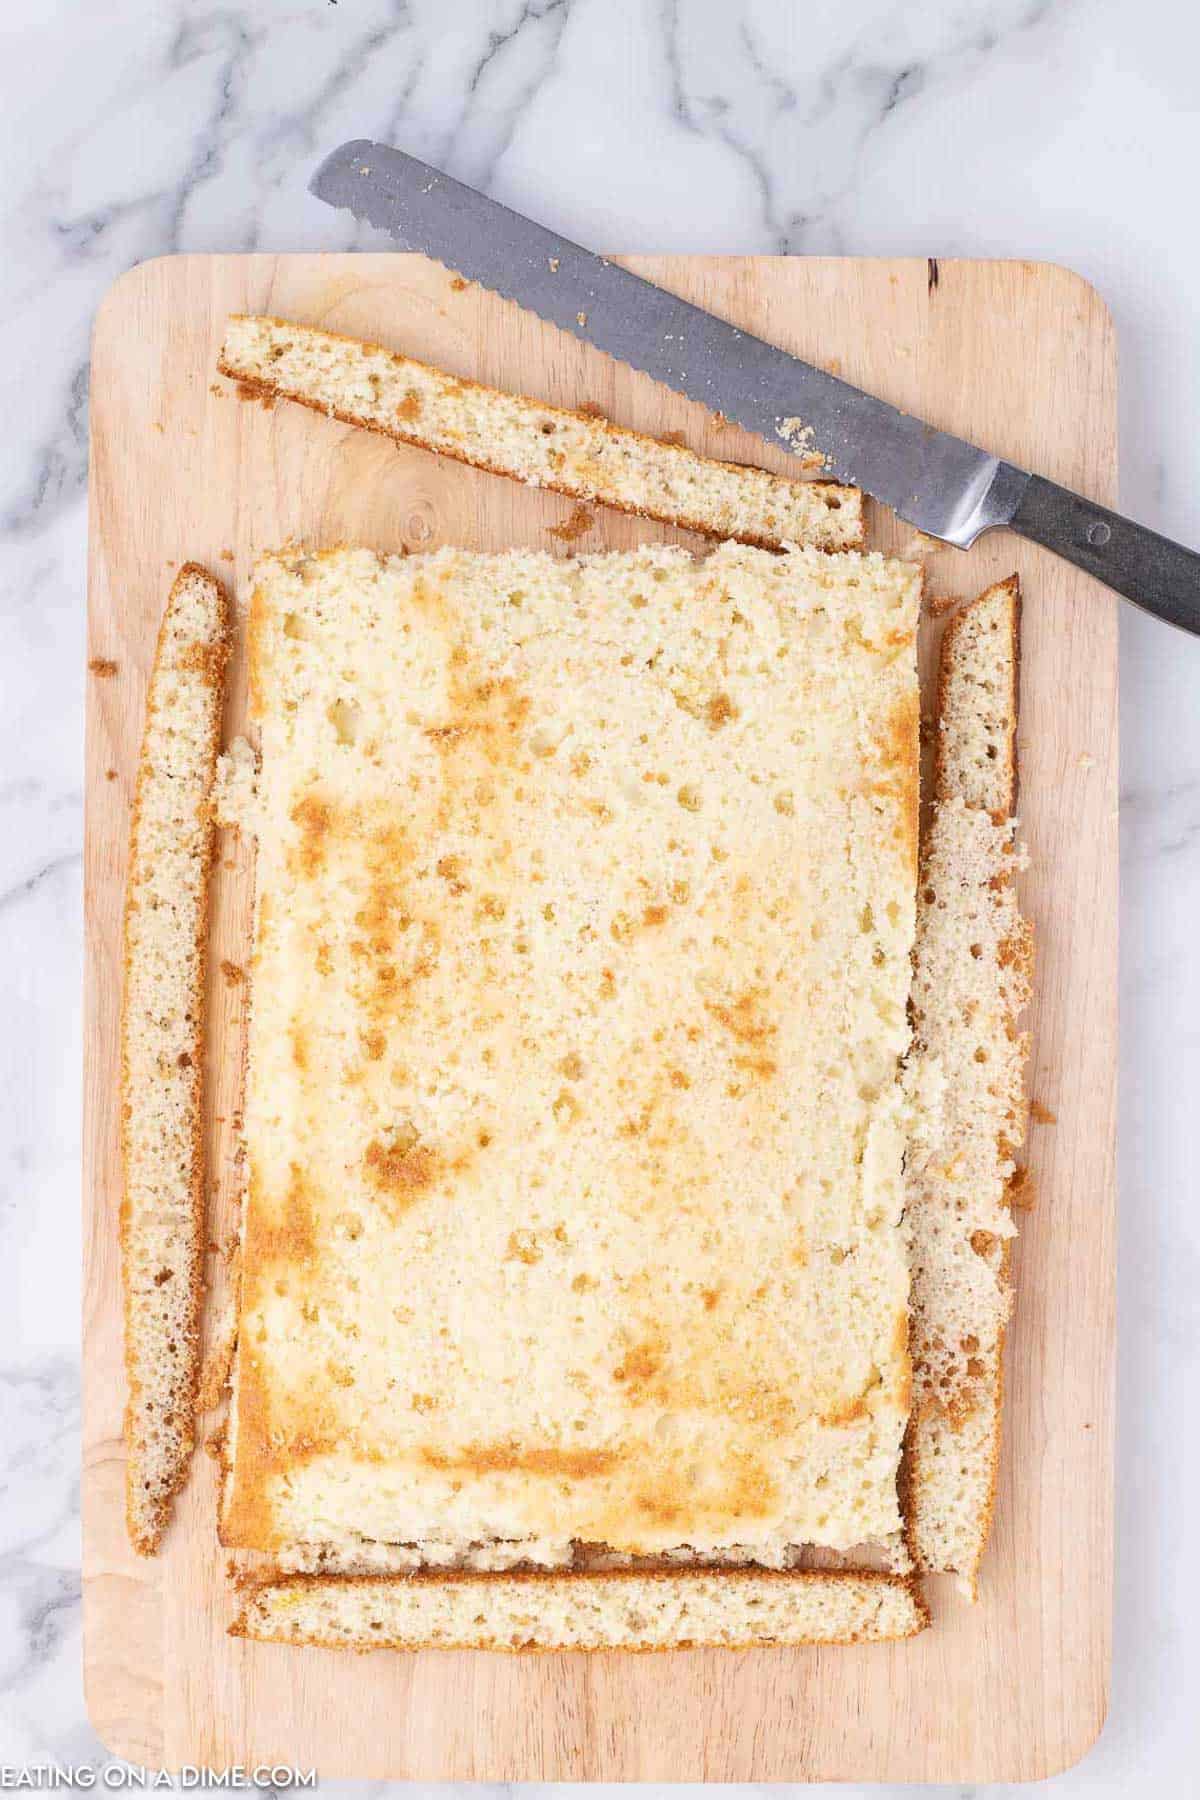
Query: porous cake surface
x=546 y=446
x=162 y=1048
x=653 y=1611
x=585 y=896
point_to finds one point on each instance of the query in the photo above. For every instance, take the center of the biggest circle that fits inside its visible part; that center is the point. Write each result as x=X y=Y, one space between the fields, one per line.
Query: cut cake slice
x=659 y=1610
x=972 y=979
x=575 y=453
x=162 y=1045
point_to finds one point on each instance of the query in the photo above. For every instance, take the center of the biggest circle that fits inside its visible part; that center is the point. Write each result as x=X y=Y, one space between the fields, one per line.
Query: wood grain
x=1019 y=356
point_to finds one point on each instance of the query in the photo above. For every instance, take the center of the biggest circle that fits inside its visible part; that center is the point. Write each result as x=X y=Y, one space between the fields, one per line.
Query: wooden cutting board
x=1019 y=356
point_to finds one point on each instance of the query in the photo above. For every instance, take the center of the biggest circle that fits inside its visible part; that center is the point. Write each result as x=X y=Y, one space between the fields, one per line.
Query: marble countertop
x=1057 y=129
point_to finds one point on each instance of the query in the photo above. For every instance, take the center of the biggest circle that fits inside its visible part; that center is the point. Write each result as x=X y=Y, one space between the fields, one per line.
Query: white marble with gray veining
x=1063 y=129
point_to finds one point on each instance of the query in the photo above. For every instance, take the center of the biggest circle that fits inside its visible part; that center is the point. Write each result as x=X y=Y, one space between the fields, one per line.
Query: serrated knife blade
x=939 y=483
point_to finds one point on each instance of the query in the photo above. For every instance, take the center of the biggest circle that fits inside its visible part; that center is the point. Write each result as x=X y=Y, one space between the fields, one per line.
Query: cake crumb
x=252 y=390
x=1020 y=1191
x=577 y=523
x=218 y=1364
x=916 y=546
x=795 y=433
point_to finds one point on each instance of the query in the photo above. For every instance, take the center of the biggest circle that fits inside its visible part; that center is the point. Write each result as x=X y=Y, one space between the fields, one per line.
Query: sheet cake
x=585 y=903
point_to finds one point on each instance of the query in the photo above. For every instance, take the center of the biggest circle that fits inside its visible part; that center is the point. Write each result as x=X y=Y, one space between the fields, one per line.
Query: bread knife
x=943 y=485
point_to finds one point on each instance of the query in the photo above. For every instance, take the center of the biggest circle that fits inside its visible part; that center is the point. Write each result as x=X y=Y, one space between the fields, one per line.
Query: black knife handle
x=1154 y=573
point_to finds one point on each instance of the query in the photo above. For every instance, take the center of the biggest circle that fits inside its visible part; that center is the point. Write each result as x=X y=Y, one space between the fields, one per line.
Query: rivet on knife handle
x=940 y=483
x=1150 y=570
